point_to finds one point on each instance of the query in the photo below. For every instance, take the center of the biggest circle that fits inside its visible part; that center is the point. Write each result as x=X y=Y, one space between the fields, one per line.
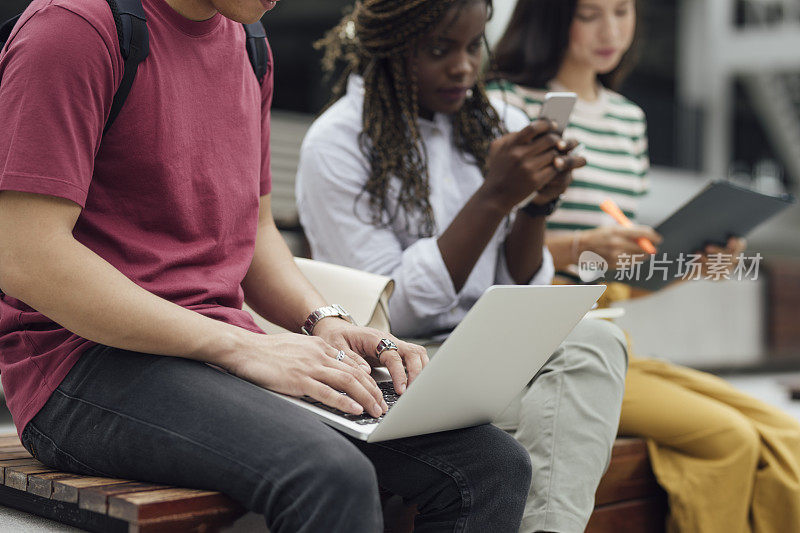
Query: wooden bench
x=783 y=299
x=628 y=498
x=104 y=504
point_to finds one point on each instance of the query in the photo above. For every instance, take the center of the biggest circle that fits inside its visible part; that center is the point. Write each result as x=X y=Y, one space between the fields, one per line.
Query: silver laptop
x=494 y=352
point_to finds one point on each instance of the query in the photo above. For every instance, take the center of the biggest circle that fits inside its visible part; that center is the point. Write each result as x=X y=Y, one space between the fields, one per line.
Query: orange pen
x=616 y=213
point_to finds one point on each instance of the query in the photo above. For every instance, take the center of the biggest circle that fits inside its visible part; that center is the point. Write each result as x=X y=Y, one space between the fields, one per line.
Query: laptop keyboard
x=389 y=396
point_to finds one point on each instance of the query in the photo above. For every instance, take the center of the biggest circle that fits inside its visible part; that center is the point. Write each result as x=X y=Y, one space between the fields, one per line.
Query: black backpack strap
x=134 y=43
x=5 y=33
x=5 y=30
x=256 y=43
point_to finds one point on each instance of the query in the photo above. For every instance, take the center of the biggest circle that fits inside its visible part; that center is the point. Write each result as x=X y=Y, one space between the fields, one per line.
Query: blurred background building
x=719 y=81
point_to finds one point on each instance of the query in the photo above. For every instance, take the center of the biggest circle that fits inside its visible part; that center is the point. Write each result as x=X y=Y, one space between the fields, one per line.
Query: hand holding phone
x=558 y=107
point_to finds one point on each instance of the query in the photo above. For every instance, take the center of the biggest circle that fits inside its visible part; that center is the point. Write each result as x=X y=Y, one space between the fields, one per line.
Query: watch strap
x=334 y=310
x=544 y=210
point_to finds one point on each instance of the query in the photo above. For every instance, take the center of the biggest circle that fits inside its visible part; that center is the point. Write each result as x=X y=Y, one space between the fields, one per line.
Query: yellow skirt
x=728 y=462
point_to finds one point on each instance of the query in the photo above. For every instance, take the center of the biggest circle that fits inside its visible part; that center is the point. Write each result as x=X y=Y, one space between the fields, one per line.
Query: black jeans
x=181 y=422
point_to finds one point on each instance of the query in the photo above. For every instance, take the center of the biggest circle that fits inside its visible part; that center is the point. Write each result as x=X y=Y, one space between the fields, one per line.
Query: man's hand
x=299 y=365
x=361 y=344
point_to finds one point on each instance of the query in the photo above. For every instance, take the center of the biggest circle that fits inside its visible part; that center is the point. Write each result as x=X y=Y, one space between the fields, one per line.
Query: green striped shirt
x=613 y=133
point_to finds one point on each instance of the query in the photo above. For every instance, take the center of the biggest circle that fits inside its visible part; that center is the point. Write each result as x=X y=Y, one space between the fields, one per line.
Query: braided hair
x=374 y=41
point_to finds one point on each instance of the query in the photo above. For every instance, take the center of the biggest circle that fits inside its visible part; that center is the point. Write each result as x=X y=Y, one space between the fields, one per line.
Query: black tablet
x=720 y=211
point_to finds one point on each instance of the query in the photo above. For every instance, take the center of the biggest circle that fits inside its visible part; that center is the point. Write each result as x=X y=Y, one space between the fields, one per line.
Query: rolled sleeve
x=543 y=276
x=423 y=288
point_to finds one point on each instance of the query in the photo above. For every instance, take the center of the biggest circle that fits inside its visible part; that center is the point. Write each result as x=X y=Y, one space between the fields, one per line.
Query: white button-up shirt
x=336 y=217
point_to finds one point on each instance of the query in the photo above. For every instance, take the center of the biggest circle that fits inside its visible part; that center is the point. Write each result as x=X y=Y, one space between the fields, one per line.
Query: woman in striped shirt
x=728 y=462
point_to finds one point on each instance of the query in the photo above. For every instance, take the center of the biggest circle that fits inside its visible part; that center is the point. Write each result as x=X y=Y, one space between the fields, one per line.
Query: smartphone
x=558 y=106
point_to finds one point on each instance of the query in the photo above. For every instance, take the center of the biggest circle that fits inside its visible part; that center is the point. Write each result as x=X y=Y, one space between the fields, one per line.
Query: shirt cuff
x=543 y=276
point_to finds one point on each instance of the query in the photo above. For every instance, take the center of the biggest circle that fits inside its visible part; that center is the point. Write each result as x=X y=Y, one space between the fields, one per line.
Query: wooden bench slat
x=629 y=475
x=211 y=520
x=96 y=498
x=10 y=439
x=67 y=489
x=140 y=506
x=24 y=461
x=13 y=449
x=647 y=515
x=42 y=484
x=21 y=454
x=17 y=476
x=6 y=463
x=628 y=446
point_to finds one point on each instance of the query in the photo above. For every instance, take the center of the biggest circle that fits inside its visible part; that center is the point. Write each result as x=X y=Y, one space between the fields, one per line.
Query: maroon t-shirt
x=170 y=194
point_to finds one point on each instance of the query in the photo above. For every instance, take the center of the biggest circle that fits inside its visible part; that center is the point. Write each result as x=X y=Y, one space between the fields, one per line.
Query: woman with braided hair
x=411 y=173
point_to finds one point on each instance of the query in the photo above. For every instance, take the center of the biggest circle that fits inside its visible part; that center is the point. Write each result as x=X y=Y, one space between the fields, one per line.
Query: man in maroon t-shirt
x=125 y=258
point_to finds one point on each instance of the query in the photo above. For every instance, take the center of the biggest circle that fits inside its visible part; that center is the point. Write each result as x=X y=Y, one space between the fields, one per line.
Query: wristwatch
x=545 y=210
x=324 y=312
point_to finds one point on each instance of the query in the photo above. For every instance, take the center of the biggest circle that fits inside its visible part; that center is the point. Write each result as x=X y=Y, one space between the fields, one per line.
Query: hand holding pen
x=616 y=213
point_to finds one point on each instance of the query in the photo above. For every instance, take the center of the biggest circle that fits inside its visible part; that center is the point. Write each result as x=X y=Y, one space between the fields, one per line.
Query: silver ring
x=384 y=345
x=340 y=355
